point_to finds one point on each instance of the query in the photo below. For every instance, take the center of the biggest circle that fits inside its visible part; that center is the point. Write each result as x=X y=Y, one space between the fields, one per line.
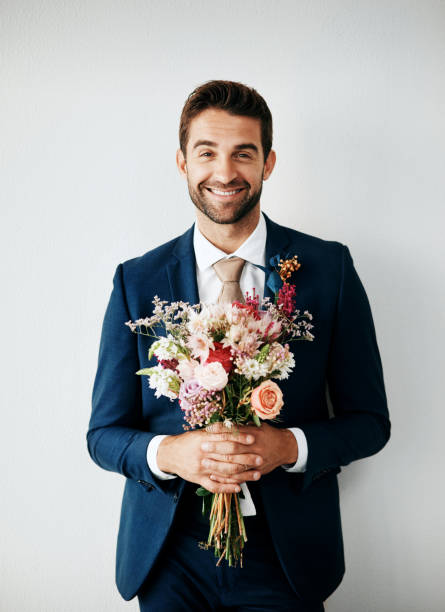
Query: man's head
x=225 y=149
x=234 y=98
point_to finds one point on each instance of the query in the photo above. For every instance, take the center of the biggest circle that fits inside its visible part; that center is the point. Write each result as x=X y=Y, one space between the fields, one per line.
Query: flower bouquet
x=218 y=360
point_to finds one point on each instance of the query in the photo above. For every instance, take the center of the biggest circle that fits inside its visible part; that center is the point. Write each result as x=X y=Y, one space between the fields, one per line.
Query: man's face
x=224 y=165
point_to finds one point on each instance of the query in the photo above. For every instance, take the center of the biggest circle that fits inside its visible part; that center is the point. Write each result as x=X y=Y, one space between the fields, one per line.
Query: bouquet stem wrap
x=227 y=534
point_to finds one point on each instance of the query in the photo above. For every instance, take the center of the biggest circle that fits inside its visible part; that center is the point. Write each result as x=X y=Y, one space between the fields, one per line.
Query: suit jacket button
x=175 y=498
x=146 y=485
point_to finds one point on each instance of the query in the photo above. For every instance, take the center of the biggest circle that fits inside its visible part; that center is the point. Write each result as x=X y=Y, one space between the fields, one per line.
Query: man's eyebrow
x=204 y=143
x=210 y=143
x=247 y=145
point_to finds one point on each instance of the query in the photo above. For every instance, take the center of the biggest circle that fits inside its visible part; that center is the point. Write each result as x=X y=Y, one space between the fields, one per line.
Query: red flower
x=168 y=364
x=222 y=354
x=286 y=298
x=252 y=309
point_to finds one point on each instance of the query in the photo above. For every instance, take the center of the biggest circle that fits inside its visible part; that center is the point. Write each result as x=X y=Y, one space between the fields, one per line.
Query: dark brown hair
x=236 y=99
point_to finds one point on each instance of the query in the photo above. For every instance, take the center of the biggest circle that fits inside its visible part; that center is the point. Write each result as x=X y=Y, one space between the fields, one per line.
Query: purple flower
x=197 y=403
x=190 y=393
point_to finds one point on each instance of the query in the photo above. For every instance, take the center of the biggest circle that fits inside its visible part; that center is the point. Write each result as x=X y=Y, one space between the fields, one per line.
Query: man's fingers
x=216 y=487
x=247 y=459
x=250 y=475
x=231 y=436
x=224 y=447
x=232 y=471
x=216 y=427
x=220 y=467
x=221 y=428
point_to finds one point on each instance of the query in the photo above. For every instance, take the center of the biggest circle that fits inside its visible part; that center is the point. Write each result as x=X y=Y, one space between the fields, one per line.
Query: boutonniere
x=283 y=268
x=277 y=279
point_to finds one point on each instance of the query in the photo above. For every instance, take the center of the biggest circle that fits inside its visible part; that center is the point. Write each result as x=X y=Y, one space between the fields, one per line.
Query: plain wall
x=91 y=96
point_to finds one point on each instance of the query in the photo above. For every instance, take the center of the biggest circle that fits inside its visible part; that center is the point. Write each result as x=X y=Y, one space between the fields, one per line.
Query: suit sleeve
x=360 y=426
x=116 y=437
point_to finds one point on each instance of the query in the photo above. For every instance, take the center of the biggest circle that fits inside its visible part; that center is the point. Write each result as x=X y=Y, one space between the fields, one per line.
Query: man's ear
x=181 y=163
x=269 y=164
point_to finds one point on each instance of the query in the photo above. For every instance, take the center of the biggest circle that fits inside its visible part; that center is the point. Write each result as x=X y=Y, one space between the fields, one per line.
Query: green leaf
x=218 y=336
x=201 y=492
x=145 y=371
x=153 y=347
x=256 y=419
x=215 y=418
x=261 y=357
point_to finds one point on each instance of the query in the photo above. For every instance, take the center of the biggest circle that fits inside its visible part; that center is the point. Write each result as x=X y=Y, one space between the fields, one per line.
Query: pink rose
x=189 y=393
x=267 y=400
x=211 y=376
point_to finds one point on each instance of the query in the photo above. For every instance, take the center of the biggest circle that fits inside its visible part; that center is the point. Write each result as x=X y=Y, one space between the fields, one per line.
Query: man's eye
x=243 y=155
x=205 y=154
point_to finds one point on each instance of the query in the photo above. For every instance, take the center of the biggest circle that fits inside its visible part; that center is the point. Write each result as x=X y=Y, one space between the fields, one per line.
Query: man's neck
x=228 y=237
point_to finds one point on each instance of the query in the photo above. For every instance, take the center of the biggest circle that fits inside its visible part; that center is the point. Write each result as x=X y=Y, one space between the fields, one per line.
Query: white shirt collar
x=252 y=250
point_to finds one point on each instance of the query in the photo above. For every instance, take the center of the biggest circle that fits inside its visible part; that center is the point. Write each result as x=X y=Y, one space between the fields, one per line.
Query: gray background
x=91 y=97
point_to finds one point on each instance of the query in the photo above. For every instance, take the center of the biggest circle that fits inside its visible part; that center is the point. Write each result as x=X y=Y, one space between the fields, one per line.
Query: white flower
x=234 y=335
x=212 y=376
x=166 y=348
x=249 y=344
x=286 y=367
x=280 y=360
x=251 y=368
x=198 y=322
x=186 y=368
x=242 y=339
x=200 y=344
x=164 y=382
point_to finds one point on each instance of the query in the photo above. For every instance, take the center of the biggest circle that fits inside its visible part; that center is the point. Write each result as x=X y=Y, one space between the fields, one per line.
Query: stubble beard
x=239 y=210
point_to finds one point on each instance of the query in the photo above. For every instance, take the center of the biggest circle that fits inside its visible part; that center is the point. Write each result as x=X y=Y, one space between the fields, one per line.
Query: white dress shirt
x=253 y=251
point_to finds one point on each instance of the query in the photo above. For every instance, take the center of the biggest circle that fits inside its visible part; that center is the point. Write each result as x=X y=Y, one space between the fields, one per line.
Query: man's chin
x=227 y=216
x=226 y=213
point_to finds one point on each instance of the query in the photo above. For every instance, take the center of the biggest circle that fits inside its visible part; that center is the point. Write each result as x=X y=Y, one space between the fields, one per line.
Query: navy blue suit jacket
x=302 y=509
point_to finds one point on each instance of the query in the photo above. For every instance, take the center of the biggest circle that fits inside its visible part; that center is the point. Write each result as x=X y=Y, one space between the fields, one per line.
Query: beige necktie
x=229 y=273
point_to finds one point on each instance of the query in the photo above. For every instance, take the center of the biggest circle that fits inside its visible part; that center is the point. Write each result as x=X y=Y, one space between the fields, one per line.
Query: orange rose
x=267 y=400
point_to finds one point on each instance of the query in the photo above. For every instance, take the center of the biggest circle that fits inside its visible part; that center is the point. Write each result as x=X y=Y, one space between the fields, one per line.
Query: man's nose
x=225 y=170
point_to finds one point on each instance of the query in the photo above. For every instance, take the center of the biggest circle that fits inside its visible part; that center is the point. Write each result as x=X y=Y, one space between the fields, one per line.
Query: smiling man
x=225 y=170
x=293 y=559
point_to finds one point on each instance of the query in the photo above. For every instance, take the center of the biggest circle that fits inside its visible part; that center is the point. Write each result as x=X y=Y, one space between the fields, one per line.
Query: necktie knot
x=229 y=273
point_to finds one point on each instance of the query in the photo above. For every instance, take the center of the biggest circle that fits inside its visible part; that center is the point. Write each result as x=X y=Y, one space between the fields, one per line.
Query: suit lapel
x=181 y=270
x=277 y=242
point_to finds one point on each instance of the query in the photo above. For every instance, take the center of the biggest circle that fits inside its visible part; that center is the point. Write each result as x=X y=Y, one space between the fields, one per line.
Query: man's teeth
x=225 y=193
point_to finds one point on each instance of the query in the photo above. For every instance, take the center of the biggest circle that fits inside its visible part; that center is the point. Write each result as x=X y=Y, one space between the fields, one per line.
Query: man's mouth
x=225 y=193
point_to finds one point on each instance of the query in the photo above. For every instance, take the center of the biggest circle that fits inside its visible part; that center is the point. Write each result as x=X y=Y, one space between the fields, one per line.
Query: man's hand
x=219 y=459
x=272 y=447
x=186 y=455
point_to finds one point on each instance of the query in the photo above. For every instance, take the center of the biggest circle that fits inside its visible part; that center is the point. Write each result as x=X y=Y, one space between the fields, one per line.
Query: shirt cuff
x=152 y=451
x=300 y=465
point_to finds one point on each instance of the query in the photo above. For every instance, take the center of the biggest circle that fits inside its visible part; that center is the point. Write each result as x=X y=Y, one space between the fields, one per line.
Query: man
x=294 y=553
